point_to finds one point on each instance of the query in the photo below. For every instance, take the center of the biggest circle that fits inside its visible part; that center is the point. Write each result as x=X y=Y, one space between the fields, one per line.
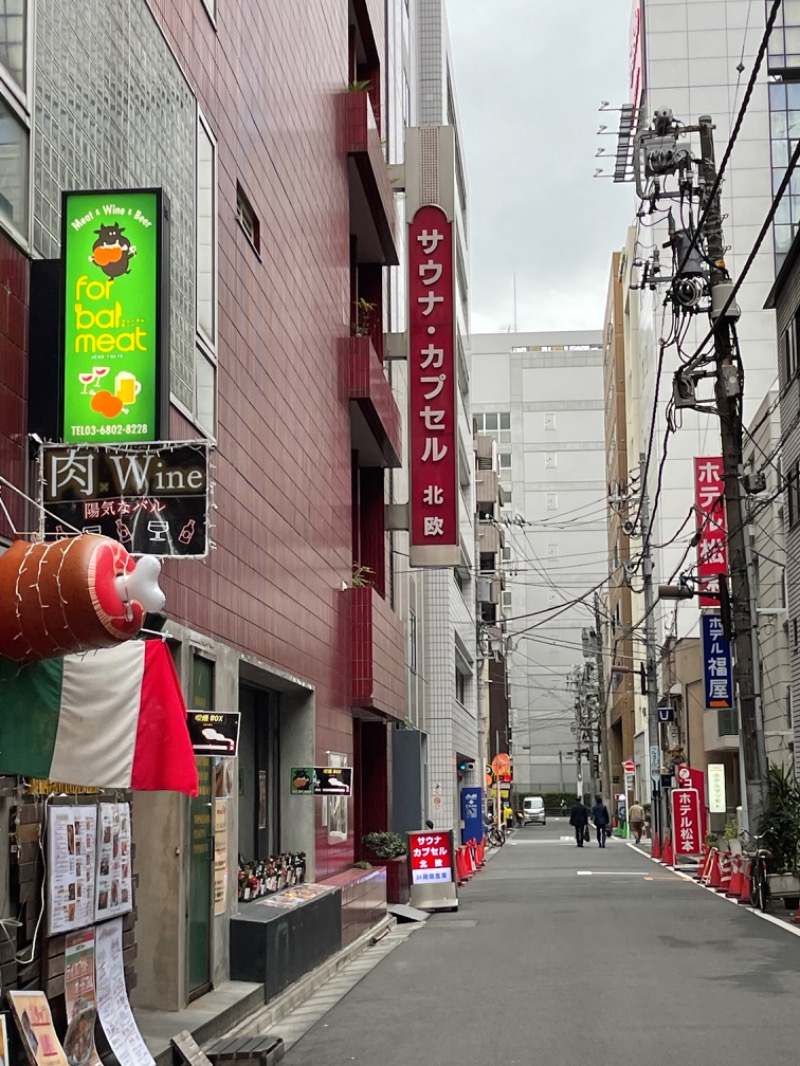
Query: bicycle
x=495 y=835
x=759 y=858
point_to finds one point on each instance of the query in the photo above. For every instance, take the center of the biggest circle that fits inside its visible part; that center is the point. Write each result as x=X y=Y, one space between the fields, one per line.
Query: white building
x=541 y=396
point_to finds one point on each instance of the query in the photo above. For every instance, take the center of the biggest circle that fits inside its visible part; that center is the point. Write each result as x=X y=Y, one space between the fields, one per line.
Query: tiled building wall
x=14 y=289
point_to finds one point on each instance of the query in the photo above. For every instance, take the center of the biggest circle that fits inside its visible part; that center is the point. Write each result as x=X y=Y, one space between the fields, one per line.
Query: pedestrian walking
x=579 y=819
x=601 y=819
x=636 y=819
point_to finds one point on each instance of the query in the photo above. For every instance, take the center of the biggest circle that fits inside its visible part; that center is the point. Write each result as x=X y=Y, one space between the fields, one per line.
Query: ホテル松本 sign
x=112 y=248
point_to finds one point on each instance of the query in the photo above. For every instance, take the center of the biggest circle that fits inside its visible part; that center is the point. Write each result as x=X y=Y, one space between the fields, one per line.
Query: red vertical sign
x=686 y=822
x=635 y=93
x=696 y=779
x=433 y=413
x=712 y=548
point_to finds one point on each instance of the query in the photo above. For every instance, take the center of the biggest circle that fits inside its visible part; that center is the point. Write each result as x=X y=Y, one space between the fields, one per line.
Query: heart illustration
x=106 y=404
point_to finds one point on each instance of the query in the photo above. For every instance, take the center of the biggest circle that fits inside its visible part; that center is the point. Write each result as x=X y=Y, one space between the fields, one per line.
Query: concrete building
x=540 y=395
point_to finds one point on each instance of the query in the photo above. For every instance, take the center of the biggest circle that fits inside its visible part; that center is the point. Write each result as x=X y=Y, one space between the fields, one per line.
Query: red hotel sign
x=712 y=548
x=433 y=411
x=686 y=822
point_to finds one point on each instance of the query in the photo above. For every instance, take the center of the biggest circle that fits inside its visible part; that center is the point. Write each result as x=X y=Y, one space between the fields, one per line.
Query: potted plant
x=364 y=311
x=389 y=850
x=780 y=825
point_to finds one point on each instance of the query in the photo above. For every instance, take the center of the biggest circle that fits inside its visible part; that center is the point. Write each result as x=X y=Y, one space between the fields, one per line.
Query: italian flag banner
x=111 y=718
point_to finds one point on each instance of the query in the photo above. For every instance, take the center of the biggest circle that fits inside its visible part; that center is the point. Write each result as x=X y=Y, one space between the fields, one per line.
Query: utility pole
x=728 y=393
x=650 y=652
x=602 y=722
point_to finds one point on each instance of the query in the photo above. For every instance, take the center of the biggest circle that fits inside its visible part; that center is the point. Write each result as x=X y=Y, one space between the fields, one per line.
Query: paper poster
x=220 y=855
x=113 y=1007
x=113 y=887
x=35 y=1023
x=71 y=836
x=80 y=999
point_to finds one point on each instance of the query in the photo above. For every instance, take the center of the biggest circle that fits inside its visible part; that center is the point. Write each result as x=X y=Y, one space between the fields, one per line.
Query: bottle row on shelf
x=262 y=877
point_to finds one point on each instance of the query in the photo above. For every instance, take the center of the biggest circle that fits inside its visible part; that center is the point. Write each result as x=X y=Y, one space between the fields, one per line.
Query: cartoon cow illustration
x=112 y=251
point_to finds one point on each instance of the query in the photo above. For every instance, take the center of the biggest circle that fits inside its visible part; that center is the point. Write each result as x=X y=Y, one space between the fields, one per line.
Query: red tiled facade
x=14 y=299
x=377 y=653
x=369 y=387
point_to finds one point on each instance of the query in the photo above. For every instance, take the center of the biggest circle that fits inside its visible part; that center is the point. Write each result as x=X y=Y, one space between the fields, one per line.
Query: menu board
x=113 y=1007
x=80 y=999
x=71 y=842
x=113 y=895
x=35 y=1023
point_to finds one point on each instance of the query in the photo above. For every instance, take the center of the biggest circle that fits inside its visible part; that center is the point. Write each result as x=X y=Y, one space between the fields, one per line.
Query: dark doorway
x=259 y=766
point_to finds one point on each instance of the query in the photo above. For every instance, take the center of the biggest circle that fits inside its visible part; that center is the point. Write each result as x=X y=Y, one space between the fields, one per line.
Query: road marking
x=610 y=873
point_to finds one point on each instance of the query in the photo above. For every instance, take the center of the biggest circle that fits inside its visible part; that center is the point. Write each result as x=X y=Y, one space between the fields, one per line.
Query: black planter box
x=276 y=947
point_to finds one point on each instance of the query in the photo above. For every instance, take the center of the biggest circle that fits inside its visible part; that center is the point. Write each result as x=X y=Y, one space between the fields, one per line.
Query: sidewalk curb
x=780 y=923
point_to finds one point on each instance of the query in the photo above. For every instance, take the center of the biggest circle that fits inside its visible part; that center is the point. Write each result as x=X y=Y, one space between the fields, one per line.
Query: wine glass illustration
x=96 y=374
x=86 y=380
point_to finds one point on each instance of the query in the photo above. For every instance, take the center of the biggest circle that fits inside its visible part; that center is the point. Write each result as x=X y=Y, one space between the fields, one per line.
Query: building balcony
x=375 y=422
x=373 y=216
x=377 y=654
x=487 y=487
x=490 y=588
x=491 y=537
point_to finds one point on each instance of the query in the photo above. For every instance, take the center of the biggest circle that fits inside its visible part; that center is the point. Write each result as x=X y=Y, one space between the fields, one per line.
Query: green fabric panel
x=30 y=705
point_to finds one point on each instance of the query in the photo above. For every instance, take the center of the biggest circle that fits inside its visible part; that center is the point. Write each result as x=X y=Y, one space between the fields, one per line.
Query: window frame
x=18 y=101
x=209 y=341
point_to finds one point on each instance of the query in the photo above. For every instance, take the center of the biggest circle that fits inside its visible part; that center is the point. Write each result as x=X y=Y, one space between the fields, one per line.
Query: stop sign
x=629 y=766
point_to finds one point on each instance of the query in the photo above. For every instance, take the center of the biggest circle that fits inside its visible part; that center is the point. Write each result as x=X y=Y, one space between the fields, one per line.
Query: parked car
x=533 y=810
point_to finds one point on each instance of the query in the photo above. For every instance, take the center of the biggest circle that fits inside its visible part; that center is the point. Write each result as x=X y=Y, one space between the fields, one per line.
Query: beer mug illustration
x=126 y=387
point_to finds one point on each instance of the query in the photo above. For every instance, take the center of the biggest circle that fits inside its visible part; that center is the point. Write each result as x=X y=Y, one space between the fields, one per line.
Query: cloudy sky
x=530 y=76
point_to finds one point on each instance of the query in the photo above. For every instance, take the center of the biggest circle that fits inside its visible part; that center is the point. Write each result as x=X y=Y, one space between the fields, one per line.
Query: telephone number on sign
x=110 y=431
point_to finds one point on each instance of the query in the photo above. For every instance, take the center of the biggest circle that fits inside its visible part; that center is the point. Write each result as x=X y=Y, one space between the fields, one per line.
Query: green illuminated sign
x=111 y=248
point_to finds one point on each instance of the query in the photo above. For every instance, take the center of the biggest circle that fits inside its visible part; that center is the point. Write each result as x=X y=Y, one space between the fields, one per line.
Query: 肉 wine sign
x=153 y=498
x=115 y=315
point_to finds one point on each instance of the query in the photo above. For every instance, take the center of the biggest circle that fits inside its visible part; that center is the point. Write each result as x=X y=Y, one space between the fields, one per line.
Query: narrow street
x=559 y=955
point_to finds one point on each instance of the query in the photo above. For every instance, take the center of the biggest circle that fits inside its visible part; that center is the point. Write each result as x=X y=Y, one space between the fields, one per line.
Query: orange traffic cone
x=735 y=886
x=705 y=868
x=656 y=846
x=666 y=854
x=714 y=876
x=724 y=874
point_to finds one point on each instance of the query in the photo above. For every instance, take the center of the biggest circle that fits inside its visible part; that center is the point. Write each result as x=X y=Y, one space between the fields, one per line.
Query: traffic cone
x=700 y=872
x=471 y=859
x=666 y=853
x=714 y=875
x=744 y=888
x=656 y=852
x=724 y=874
x=735 y=886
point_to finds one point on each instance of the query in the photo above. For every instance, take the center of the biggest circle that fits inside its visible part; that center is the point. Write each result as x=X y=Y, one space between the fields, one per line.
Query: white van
x=533 y=810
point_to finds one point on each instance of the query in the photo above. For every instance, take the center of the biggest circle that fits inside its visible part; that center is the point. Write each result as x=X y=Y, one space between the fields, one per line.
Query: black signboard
x=153 y=498
x=214 y=732
x=321 y=780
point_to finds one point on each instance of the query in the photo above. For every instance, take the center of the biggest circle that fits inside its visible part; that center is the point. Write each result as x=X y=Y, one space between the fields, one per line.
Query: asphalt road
x=563 y=956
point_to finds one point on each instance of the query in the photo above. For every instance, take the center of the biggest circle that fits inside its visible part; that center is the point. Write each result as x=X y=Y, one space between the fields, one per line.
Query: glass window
x=505 y=420
x=490 y=422
x=13 y=40
x=202 y=698
x=13 y=170
x=206 y=232
x=505 y=460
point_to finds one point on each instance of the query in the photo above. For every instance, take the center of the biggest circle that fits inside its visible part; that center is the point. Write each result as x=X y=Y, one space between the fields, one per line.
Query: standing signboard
x=432 y=388
x=153 y=498
x=115 y=315
x=717 y=664
x=471 y=814
x=686 y=822
x=689 y=777
x=432 y=870
x=712 y=551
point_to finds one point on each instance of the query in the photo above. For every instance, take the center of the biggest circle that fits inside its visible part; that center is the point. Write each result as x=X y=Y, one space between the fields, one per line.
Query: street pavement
x=559 y=955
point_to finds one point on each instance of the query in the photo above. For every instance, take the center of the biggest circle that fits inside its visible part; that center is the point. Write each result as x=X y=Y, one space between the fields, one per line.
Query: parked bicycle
x=495 y=835
x=759 y=858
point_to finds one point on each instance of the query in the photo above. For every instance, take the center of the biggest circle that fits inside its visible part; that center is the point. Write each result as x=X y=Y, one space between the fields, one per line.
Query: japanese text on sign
x=717 y=665
x=433 y=491
x=712 y=551
x=686 y=821
x=431 y=859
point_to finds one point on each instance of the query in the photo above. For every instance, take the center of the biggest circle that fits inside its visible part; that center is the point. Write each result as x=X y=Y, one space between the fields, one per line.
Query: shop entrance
x=259 y=764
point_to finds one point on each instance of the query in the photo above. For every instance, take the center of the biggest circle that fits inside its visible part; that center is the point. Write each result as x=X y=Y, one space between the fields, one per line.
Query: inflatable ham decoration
x=72 y=595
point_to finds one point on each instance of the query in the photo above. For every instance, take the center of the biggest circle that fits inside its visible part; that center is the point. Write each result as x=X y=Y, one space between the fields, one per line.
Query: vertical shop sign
x=636 y=54
x=712 y=547
x=433 y=411
x=114 y=316
x=717 y=665
x=686 y=821
x=220 y=855
x=717 y=800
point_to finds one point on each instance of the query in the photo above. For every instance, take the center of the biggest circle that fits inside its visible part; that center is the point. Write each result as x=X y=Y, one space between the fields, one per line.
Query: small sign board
x=321 y=780
x=431 y=870
x=214 y=732
x=686 y=821
x=629 y=766
x=666 y=714
x=501 y=763
x=717 y=664
x=153 y=498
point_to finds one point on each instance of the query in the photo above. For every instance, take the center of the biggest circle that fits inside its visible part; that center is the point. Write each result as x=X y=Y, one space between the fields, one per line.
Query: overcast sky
x=529 y=78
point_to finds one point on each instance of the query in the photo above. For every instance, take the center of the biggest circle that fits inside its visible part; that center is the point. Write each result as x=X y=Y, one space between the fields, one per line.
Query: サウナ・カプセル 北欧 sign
x=112 y=315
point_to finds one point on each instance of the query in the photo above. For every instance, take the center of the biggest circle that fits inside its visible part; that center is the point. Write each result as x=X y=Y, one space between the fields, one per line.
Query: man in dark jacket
x=579 y=818
x=600 y=820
